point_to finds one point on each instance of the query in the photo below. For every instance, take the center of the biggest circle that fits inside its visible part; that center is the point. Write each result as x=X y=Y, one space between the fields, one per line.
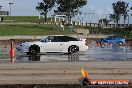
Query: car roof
x=113 y=36
x=56 y=35
x=53 y=36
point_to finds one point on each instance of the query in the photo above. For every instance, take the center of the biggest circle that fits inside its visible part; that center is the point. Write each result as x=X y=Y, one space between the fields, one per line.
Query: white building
x=4 y=13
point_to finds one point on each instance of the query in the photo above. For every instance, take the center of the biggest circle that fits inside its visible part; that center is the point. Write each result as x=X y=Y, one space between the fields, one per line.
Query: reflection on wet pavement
x=48 y=57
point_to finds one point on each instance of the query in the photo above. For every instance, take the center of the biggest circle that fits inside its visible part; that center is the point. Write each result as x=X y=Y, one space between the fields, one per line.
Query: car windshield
x=112 y=36
x=44 y=40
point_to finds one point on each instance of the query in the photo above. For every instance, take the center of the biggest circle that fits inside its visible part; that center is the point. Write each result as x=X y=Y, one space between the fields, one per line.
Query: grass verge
x=32 y=29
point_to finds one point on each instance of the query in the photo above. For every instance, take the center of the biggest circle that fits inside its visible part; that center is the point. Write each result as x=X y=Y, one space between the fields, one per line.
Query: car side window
x=55 y=39
x=109 y=38
x=67 y=39
x=45 y=39
x=49 y=39
x=59 y=39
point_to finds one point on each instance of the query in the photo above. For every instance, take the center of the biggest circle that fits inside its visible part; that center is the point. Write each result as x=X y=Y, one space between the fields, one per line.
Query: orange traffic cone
x=12 y=53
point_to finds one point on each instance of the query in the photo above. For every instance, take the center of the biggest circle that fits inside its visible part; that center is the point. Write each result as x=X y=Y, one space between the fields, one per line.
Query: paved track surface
x=62 y=72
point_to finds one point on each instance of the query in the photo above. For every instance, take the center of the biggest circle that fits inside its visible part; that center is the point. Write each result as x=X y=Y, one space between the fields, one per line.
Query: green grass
x=36 y=29
x=21 y=18
x=32 y=19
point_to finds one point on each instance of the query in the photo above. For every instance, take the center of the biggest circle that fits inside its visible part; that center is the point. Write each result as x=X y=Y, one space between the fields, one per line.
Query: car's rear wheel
x=73 y=49
x=34 y=49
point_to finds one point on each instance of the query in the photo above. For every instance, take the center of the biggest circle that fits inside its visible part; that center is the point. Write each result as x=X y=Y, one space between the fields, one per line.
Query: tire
x=120 y=43
x=73 y=49
x=34 y=49
x=28 y=53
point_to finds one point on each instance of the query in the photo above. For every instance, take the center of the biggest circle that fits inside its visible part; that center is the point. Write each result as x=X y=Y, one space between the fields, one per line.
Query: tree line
x=120 y=9
x=68 y=7
x=71 y=7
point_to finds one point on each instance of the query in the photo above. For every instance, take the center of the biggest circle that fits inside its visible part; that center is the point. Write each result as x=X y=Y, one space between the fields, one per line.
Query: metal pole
x=78 y=19
x=82 y=19
x=128 y=20
x=93 y=18
x=115 y=20
x=10 y=7
x=90 y=18
x=86 y=19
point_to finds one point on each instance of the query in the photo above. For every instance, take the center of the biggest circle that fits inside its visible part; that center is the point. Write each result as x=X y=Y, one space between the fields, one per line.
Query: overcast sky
x=27 y=7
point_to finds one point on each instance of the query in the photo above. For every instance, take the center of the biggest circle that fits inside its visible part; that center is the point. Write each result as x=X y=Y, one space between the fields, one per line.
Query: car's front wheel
x=34 y=49
x=120 y=43
x=73 y=49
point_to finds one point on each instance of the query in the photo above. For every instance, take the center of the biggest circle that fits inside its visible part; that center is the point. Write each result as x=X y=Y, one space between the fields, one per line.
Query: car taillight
x=85 y=40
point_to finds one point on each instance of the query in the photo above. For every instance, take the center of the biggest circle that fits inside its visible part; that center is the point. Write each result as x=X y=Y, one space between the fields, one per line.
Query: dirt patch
x=7 y=43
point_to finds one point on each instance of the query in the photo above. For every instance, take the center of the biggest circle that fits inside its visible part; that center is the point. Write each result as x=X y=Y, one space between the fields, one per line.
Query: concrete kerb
x=21 y=37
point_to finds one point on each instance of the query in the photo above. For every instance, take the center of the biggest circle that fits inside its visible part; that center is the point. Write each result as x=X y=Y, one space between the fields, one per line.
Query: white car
x=54 y=43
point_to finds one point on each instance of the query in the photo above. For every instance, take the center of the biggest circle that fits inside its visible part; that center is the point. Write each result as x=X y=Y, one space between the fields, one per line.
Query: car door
x=52 y=44
x=66 y=44
x=115 y=39
x=110 y=40
x=68 y=41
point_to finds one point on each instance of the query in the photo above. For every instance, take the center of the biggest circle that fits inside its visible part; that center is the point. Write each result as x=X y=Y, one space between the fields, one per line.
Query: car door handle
x=60 y=44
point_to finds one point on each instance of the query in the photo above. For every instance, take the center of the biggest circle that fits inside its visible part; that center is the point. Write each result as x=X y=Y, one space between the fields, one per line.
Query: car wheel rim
x=32 y=51
x=73 y=49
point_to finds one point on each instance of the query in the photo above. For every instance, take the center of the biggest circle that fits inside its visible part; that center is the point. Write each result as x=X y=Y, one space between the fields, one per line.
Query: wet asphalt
x=92 y=54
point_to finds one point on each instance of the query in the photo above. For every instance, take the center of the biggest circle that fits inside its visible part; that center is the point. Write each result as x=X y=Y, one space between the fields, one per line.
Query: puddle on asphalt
x=48 y=58
x=92 y=54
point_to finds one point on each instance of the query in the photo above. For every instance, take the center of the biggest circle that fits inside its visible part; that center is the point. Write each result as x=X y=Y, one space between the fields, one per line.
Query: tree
x=125 y=10
x=45 y=6
x=103 y=21
x=114 y=17
x=120 y=8
x=70 y=7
